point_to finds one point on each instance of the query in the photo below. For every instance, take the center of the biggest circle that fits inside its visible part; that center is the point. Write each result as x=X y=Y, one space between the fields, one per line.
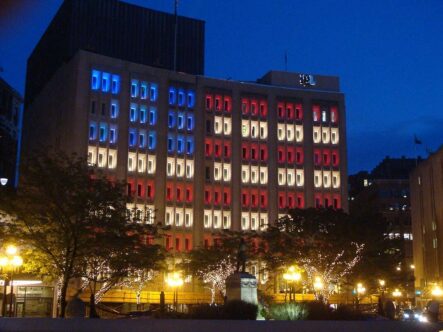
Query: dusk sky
x=388 y=55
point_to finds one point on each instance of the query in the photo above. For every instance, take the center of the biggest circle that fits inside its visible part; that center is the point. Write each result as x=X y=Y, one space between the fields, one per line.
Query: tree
x=323 y=242
x=68 y=213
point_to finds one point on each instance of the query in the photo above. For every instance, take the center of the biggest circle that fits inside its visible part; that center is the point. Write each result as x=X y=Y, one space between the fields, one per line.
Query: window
x=141 y=163
x=317 y=179
x=263 y=199
x=171 y=143
x=298 y=134
x=300 y=177
x=92 y=155
x=169 y=215
x=143 y=114
x=290 y=135
x=217 y=219
x=245 y=174
x=263 y=109
x=103 y=111
x=92 y=131
x=316 y=113
x=316 y=134
x=290 y=111
x=254 y=174
x=226 y=172
x=263 y=130
x=245 y=106
x=326 y=179
x=263 y=221
x=180 y=120
x=281 y=132
x=133 y=112
x=152 y=116
x=191 y=99
x=281 y=111
x=189 y=169
x=324 y=116
x=263 y=175
x=227 y=149
x=245 y=220
x=227 y=126
x=95 y=80
x=112 y=159
x=254 y=221
x=245 y=151
x=180 y=168
x=217 y=171
x=209 y=102
x=153 y=92
x=281 y=177
x=281 y=154
x=227 y=104
x=334 y=114
x=134 y=88
x=188 y=218
x=245 y=128
x=170 y=166
x=131 y=162
x=189 y=145
x=290 y=176
x=298 y=112
x=254 y=129
x=115 y=85
x=207 y=219
x=151 y=164
x=226 y=196
x=263 y=152
x=142 y=139
x=190 y=122
x=152 y=141
x=172 y=96
x=189 y=193
x=114 y=109
x=171 y=119
x=226 y=220
x=254 y=108
x=103 y=132
x=144 y=90
x=181 y=97
x=132 y=137
x=218 y=125
x=102 y=157
x=93 y=103
x=334 y=136
x=335 y=179
x=325 y=134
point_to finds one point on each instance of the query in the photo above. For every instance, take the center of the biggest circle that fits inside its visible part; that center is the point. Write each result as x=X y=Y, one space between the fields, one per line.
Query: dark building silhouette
x=119 y=30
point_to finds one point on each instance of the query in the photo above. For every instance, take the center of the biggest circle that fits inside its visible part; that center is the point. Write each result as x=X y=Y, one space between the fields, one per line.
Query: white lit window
x=112 y=159
x=132 y=162
x=263 y=221
x=141 y=163
x=149 y=214
x=226 y=172
x=254 y=129
x=169 y=216
x=227 y=126
x=317 y=179
x=178 y=217
x=281 y=177
x=263 y=175
x=151 y=164
x=226 y=219
x=92 y=155
x=218 y=125
x=245 y=174
x=326 y=135
x=334 y=136
x=207 y=219
x=245 y=221
x=254 y=221
x=102 y=157
x=324 y=117
x=290 y=135
x=281 y=132
x=326 y=179
x=263 y=130
x=189 y=169
x=336 y=179
x=254 y=174
x=245 y=128
x=217 y=171
x=216 y=221
x=316 y=133
x=300 y=177
x=170 y=166
x=298 y=133
x=290 y=177
x=180 y=168
x=188 y=218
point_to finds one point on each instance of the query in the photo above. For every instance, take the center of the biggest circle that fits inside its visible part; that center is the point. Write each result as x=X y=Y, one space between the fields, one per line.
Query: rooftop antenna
x=175 y=33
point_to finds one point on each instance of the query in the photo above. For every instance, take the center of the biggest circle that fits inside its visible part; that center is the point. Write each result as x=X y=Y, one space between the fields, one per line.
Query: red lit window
x=245 y=106
x=291 y=200
x=326 y=157
x=217 y=148
x=208 y=147
x=245 y=151
x=226 y=196
x=169 y=191
x=281 y=200
x=299 y=155
x=300 y=200
x=254 y=107
x=177 y=243
x=317 y=157
x=336 y=202
x=254 y=198
x=281 y=111
x=189 y=193
x=227 y=149
x=218 y=103
x=263 y=199
x=150 y=189
x=334 y=114
x=245 y=197
x=290 y=154
x=318 y=200
x=140 y=189
x=263 y=108
x=217 y=196
x=290 y=111
x=227 y=104
x=327 y=200
x=207 y=242
x=208 y=197
x=298 y=112
x=168 y=242
x=188 y=243
x=254 y=152
x=281 y=154
x=316 y=113
x=130 y=187
x=263 y=152
x=209 y=102
x=335 y=158
x=179 y=192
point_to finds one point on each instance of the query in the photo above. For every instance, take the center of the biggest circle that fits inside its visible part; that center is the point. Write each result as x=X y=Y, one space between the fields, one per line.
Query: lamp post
x=360 y=291
x=174 y=281
x=9 y=263
x=318 y=286
x=292 y=275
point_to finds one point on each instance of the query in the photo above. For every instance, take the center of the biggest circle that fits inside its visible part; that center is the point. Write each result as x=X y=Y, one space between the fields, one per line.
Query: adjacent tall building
x=199 y=154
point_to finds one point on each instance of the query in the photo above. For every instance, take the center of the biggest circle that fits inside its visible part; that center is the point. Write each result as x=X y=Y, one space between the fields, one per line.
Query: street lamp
x=292 y=275
x=8 y=265
x=3 y=181
x=396 y=293
x=437 y=291
x=174 y=281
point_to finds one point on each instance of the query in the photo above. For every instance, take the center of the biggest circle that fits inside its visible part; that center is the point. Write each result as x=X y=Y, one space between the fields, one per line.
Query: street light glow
x=11 y=250
x=292 y=275
x=360 y=288
x=318 y=283
x=396 y=293
x=175 y=280
x=382 y=282
x=437 y=291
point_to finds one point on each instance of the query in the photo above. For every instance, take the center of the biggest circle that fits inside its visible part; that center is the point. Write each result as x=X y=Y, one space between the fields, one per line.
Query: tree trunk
x=63 y=292
x=92 y=311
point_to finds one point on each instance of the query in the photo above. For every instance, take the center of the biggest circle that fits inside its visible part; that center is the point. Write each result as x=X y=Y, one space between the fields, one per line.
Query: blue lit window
x=143 y=114
x=112 y=134
x=114 y=109
x=95 y=80
x=191 y=99
x=106 y=82
x=144 y=90
x=153 y=94
x=103 y=132
x=152 y=141
x=171 y=143
x=172 y=96
x=134 y=88
x=180 y=144
x=115 y=87
x=132 y=137
x=152 y=116
x=180 y=120
x=189 y=145
x=181 y=97
x=133 y=113
x=190 y=122
x=171 y=119
x=142 y=139
x=92 y=131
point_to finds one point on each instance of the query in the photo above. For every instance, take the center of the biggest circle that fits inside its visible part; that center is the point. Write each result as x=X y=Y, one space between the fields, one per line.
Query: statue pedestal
x=241 y=286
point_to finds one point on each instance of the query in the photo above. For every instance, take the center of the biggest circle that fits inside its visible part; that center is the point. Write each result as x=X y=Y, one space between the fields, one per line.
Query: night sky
x=388 y=55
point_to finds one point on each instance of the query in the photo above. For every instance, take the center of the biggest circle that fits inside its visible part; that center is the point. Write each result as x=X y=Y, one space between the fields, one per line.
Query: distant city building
x=427 y=222
x=10 y=126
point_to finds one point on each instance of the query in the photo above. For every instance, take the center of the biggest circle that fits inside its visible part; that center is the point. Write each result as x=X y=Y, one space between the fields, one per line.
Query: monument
x=241 y=285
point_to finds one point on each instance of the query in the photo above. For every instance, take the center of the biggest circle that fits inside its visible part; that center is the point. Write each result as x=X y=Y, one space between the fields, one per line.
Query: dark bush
x=344 y=312
x=318 y=310
x=237 y=309
x=206 y=311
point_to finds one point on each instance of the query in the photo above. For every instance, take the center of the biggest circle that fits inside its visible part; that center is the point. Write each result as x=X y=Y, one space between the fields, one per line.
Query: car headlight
x=416 y=316
x=423 y=319
x=406 y=315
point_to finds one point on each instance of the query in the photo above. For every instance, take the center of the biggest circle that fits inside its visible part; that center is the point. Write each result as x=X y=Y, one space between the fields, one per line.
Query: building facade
x=199 y=154
x=427 y=222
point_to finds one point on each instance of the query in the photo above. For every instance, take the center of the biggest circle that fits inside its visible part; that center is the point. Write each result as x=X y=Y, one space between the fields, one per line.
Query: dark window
x=92 y=107
x=103 y=109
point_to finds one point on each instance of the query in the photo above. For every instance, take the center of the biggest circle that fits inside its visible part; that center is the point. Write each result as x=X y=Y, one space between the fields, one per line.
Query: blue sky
x=388 y=55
